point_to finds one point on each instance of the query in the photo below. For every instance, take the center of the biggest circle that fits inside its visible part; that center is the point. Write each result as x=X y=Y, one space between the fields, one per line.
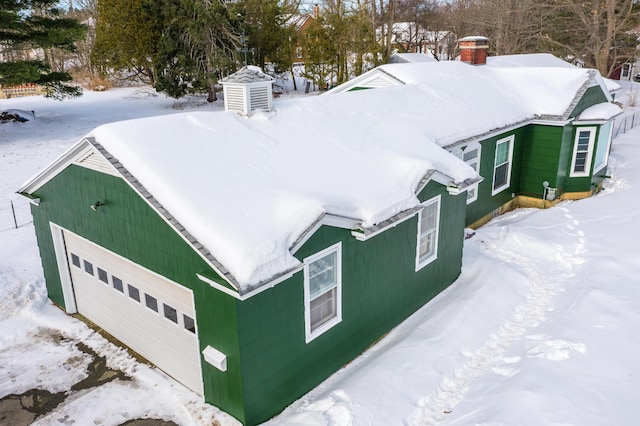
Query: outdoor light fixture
x=97 y=204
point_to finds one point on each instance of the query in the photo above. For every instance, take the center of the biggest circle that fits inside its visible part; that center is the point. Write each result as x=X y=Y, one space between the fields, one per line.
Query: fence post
x=13 y=210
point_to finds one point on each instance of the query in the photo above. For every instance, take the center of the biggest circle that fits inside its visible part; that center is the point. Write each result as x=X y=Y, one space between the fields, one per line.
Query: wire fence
x=625 y=122
x=14 y=214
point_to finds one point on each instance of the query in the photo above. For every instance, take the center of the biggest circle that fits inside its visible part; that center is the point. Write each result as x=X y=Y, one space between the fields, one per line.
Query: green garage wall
x=380 y=288
x=128 y=226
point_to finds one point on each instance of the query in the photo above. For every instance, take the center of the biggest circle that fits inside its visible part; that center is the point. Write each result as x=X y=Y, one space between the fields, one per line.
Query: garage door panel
x=102 y=283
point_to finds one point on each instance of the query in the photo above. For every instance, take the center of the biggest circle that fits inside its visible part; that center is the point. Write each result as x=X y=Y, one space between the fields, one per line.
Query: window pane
x=322 y=275
x=134 y=293
x=323 y=308
x=117 y=284
x=500 y=177
x=102 y=276
x=426 y=246
x=470 y=155
x=75 y=260
x=189 y=323
x=581 y=162
x=151 y=302
x=428 y=218
x=170 y=313
x=604 y=137
x=502 y=153
x=88 y=267
x=583 y=140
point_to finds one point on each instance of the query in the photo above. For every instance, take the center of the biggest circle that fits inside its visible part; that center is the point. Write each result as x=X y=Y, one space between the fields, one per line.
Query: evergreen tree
x=269 y=30
x=127 y=38
x=27 y=29
x=198 y=46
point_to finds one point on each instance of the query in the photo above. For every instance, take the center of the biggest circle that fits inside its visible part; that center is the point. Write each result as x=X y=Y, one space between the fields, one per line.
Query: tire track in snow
x=432 y=409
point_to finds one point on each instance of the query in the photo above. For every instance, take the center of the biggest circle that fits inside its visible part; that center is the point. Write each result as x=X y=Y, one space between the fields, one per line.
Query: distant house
x=410 y=37
x=302 y=24
x=550 y=140
x=246 y=262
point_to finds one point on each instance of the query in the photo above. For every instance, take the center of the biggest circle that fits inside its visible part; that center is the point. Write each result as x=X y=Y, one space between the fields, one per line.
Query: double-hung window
x=502 y=164
x=470 y=154
x=428 y=224
x=582 y=151
x=322 y=291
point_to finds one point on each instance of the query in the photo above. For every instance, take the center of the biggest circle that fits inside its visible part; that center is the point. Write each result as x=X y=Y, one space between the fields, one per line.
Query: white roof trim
x=364 y=79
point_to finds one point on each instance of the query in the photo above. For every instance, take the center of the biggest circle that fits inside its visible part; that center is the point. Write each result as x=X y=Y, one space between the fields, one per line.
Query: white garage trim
x=63 y=269
x=151 y=314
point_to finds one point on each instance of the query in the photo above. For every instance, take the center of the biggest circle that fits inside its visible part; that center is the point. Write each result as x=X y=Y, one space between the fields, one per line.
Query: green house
x=250 y=257
x=551 y=144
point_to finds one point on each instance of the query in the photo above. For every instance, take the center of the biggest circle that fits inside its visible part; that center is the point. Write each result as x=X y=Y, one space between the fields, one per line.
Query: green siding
x=487 y=203
x=541 y=159
x=380 y=289
x=593 y=95
x=128 y=226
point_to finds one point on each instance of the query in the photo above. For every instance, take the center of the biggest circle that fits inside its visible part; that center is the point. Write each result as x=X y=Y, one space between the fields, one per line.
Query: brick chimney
x=316 y=11
x=473 y=50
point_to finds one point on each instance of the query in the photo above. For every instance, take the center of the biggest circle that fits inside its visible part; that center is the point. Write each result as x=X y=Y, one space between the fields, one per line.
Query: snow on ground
x=540 y=328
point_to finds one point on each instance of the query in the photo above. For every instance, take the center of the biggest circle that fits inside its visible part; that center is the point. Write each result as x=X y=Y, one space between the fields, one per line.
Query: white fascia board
x=490 y=134
x=53 y=169
x=329 y=220
x=242 y=297
x=368 y=76
x=364 y=237
x=558 y=123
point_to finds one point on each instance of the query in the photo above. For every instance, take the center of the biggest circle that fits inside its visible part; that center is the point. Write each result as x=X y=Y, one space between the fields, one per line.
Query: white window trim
x=592 y=138
x=605 y=160
x=309 y=336
x=425 y=262
x=508 y=140
x=459 y=152
x=587 y=169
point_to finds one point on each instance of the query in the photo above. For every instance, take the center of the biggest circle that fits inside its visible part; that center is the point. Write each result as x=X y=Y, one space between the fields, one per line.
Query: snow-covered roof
x=600 y=112
x=537 y=86
x=410 y=58
x=247 y=189
x=528 y=60
x=529 y=92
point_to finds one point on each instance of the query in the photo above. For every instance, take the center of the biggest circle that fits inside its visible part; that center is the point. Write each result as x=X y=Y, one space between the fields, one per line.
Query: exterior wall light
x=95 y=205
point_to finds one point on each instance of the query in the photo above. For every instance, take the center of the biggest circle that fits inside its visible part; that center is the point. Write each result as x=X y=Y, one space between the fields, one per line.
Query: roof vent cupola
x=247 y=90
x=473 y=50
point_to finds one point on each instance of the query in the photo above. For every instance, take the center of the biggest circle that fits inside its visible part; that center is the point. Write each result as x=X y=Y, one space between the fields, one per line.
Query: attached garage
x=152 y=315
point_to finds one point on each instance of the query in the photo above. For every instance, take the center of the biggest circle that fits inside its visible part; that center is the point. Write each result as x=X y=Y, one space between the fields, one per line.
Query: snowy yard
x=540 y=328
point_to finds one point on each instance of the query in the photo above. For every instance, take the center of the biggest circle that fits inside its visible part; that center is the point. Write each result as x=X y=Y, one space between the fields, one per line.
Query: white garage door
x=150 y=314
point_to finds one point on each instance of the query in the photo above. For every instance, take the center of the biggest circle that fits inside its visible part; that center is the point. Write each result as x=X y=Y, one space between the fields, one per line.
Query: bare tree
x=600 y=32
